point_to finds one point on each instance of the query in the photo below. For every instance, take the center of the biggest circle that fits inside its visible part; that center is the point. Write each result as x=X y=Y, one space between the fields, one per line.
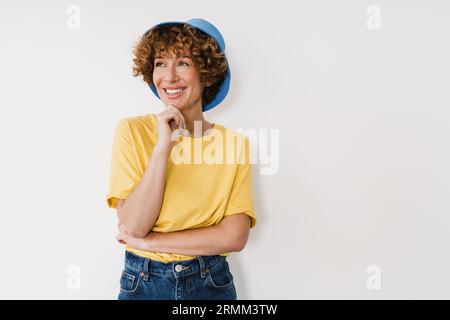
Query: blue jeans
x=202 y=278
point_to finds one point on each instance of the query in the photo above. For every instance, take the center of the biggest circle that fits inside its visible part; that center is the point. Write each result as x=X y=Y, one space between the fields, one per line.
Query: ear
x=208 y=83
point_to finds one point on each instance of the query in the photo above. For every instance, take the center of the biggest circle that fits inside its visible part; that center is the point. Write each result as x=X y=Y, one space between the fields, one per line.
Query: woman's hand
x=137 y=243
x=169 y=121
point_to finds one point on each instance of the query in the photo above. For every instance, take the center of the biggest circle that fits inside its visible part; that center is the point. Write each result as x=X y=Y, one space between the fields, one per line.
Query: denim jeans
x=201 y=278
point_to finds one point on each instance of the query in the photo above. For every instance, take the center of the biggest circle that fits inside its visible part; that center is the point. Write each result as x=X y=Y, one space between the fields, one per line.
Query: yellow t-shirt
x=207 y=177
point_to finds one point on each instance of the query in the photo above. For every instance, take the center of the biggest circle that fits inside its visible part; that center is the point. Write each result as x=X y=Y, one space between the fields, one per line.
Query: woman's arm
x=230 y=235
x=140 y=210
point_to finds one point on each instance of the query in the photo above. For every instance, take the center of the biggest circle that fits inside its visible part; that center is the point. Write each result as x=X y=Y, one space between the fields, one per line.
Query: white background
x=363 y=117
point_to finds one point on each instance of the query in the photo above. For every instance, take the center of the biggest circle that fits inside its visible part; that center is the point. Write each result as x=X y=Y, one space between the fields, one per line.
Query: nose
x=171 y=74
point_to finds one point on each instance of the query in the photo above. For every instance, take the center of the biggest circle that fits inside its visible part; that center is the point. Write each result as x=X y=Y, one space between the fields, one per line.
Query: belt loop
x=202 y=266
x=146 y=269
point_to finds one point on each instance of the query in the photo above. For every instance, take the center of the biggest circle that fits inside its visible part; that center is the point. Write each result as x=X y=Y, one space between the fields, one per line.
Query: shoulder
x=230 y=133
x=145 y=120
x=136 y=125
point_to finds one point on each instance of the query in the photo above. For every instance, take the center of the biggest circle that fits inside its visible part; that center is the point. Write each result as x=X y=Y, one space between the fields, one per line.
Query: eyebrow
x=177 y=58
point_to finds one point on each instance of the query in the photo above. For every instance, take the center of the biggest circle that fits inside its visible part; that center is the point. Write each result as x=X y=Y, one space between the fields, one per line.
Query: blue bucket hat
x=211 y=31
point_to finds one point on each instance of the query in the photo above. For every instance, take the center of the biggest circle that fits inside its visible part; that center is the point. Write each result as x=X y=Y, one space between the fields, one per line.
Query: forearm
x=210 y=240
x=141 y=209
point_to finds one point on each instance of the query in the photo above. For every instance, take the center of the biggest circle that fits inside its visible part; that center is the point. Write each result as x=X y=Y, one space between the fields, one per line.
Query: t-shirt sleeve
x=241 y=196
x=124 y=169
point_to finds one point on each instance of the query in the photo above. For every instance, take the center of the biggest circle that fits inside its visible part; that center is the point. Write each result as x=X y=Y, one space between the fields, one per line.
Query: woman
x=182 y=209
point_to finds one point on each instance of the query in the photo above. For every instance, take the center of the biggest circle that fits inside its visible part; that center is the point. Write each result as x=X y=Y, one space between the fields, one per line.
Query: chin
x=177 y=105
x=181 y=106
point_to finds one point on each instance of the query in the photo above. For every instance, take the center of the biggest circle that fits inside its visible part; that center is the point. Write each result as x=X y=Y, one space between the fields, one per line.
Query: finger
x=182 y=122
x=173 y=125
x=119 y=239
x=179 y=120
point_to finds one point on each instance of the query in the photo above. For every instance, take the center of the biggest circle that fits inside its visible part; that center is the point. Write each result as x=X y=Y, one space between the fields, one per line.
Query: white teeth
x=170 y=91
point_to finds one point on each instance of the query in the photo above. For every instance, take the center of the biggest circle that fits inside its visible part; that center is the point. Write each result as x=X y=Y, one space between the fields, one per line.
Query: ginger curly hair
x=165 y=39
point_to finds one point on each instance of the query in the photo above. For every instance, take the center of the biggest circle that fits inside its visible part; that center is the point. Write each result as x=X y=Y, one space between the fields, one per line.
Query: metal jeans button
x=178 y=268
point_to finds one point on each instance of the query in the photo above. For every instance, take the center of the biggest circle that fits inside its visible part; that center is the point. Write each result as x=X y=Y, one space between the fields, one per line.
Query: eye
x=157 y=64
x=184 y=63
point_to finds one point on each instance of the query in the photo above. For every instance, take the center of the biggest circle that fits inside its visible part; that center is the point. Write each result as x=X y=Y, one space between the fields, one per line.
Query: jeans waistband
x=146 y=266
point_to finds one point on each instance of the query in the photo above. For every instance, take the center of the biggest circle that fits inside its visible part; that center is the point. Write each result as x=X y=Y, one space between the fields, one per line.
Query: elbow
x=237 y=247
x=134 y=229
x=238 y=244
x=236 y=229
x=137 y=233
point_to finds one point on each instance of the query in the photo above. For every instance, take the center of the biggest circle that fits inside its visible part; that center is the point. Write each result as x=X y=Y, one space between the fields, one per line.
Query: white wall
x=363 y=120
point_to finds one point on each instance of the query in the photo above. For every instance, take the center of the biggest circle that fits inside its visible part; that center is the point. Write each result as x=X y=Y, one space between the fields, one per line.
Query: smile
x=173 y=93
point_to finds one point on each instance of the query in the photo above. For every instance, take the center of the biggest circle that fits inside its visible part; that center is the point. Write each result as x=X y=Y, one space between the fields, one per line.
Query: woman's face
x=177 y=81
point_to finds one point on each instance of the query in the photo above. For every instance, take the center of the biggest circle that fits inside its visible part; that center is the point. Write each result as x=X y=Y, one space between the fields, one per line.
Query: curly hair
x=162 y=40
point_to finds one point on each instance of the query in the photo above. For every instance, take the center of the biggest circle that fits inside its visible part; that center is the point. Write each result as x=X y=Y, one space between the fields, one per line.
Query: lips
x=173 y=95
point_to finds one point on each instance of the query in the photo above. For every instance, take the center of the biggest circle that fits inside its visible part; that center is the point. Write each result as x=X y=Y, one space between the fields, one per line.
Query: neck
x=191 y=115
